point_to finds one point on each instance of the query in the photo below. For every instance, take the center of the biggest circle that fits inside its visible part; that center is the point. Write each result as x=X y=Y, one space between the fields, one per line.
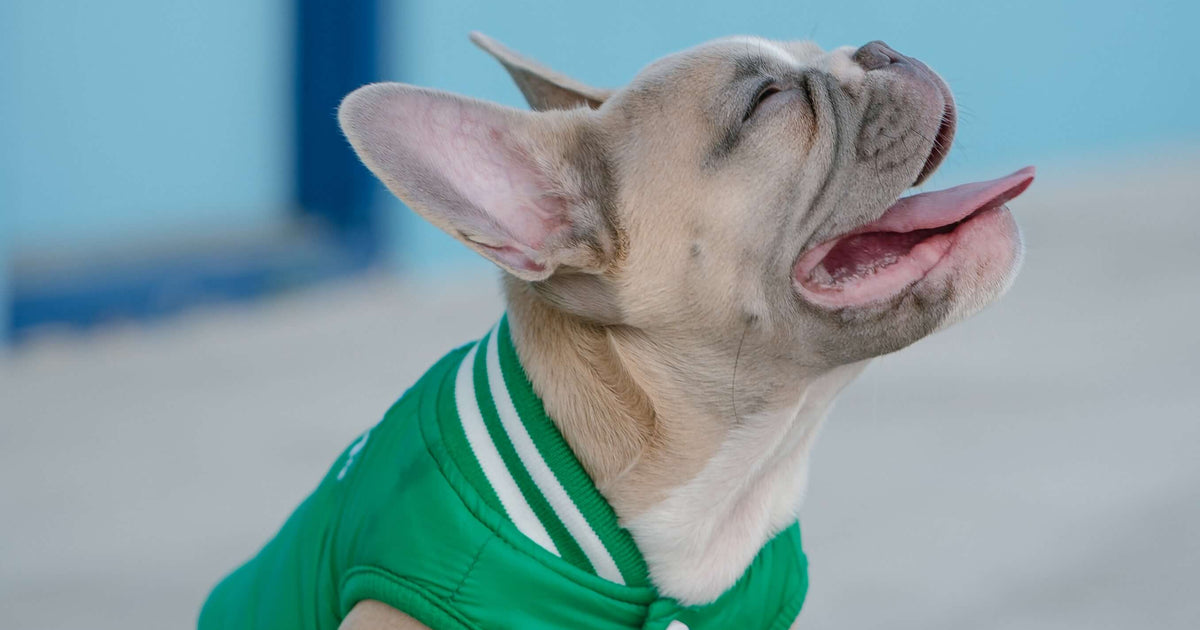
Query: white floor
x=1034 y=468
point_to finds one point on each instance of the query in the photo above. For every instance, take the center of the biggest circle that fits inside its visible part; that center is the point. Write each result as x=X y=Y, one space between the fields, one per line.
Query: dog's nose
x=876 y=55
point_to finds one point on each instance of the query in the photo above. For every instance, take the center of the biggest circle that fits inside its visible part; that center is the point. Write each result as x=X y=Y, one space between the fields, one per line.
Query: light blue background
x=148 y=118
x=135 y=118
x=1052 y=83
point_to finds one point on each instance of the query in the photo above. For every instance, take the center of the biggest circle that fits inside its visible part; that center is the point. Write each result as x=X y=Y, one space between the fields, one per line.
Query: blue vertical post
x=336 y=52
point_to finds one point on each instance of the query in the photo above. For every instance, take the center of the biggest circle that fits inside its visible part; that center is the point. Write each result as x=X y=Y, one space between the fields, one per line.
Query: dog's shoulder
x=373 y=615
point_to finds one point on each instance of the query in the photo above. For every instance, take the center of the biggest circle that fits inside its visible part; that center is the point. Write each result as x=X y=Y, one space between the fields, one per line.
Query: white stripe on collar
x=497 y=474
x=543 y=477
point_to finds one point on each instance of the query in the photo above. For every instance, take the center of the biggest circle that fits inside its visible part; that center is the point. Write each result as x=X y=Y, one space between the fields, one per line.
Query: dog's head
x=740 y=196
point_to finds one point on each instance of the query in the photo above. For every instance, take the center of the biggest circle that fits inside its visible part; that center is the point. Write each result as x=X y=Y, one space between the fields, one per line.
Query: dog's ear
x=543 y=88
x=526 y=190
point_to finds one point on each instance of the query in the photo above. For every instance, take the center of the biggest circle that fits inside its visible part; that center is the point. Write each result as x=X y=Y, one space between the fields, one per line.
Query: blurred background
x=204 y=298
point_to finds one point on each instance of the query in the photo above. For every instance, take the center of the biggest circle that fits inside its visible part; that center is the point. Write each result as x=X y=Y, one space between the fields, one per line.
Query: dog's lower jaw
x=701 y=494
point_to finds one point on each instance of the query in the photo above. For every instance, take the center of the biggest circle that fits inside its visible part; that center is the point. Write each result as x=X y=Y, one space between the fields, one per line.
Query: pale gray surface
x=1034 y=468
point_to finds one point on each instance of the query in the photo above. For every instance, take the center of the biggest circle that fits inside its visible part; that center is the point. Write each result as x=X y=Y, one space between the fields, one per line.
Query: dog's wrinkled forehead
x=706 y=73
x=687 y=106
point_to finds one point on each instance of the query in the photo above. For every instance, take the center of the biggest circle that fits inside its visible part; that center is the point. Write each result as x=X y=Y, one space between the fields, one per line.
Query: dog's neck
x=700 y=490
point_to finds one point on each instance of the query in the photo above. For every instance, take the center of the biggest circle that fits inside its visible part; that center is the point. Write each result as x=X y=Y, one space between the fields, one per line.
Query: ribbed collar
x=515 y=456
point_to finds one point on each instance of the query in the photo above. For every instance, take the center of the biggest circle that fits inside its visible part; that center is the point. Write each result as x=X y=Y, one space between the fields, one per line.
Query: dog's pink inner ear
x=469 y=167
x=480 y=159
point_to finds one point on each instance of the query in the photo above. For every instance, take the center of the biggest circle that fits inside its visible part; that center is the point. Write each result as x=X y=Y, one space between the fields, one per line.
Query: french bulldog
x=697 y=263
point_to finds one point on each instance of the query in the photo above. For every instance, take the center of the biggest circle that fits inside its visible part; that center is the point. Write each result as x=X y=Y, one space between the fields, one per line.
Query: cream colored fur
x=648 y=239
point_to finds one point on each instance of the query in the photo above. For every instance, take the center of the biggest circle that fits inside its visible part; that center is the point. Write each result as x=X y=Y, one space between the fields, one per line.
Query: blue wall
x=1039 y=81
x=145 y=118
x=142 y=117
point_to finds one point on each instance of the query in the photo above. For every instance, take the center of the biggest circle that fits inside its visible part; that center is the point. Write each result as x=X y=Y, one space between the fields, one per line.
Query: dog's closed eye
x=764 y=92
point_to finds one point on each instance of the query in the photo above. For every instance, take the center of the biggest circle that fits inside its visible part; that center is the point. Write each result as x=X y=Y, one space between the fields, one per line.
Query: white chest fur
x=699 y=540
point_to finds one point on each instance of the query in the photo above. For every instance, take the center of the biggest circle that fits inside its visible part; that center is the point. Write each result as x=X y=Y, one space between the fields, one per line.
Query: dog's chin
x=961 y=243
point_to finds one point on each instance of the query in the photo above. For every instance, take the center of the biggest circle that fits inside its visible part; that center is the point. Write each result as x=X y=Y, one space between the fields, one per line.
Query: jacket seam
x=470 y=568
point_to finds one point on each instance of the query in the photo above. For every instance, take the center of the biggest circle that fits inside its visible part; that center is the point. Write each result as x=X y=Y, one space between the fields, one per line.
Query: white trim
x=354 y=450
x=489 y=458
x=543 y=477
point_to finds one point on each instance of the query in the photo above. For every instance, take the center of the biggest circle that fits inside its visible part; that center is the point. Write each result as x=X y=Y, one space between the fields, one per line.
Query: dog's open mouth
x=916 y=234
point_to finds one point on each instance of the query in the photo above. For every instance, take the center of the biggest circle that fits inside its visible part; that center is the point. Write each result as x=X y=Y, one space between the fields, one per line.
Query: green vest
x=466 y=509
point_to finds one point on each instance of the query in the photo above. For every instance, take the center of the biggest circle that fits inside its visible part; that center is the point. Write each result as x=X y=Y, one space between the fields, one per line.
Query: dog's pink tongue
x=943 y=207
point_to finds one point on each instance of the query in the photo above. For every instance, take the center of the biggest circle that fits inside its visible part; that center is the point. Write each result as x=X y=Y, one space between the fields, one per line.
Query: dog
x=695 y=265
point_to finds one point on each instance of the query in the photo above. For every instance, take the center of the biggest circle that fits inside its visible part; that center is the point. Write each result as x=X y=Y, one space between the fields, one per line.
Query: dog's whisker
x=733 y=382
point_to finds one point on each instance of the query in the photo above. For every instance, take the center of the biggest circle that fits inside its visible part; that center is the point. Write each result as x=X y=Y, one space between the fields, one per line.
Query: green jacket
x=466 y=509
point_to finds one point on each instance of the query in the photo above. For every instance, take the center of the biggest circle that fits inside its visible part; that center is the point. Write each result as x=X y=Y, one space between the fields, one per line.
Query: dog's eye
x=764 y=93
